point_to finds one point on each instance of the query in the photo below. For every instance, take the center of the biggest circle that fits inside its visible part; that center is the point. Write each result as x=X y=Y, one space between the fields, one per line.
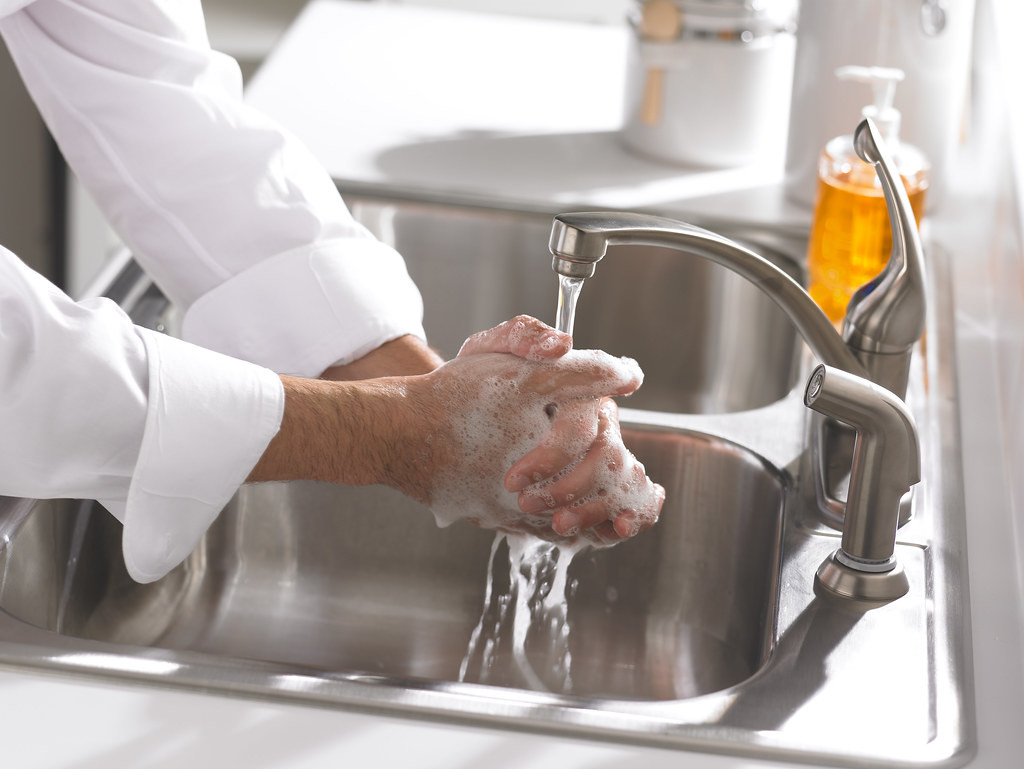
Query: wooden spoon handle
x=659 y=22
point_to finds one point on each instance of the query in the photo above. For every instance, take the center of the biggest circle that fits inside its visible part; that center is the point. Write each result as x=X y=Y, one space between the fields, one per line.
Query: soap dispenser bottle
x=850 y=235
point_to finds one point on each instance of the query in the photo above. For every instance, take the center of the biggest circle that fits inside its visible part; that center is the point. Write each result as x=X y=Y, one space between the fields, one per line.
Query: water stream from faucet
x=538 y=587
x=568 y=294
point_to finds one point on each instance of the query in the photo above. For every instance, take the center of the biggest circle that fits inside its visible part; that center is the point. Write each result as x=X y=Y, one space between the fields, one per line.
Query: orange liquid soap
x=851 y=238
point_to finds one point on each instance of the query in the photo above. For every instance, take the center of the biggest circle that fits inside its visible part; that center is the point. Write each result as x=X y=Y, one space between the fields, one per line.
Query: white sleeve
x=94 y=407
x=233 y=218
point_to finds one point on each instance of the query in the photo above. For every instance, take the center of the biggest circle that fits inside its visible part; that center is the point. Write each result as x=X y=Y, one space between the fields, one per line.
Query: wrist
x=330 y=431
x=355 y=433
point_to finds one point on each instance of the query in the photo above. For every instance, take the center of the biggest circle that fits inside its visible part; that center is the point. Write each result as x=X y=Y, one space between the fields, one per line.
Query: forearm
x=354 y=433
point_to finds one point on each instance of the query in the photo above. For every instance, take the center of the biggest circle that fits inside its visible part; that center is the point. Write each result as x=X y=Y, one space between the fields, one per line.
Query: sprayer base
x=846 y=582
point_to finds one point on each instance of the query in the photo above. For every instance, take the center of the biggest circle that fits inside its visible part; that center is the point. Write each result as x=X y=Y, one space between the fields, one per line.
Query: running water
x=568 y=294
x=537 y=590
x=524 y=620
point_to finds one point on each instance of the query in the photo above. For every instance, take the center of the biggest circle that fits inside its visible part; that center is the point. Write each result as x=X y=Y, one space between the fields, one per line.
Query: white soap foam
x=490 y=440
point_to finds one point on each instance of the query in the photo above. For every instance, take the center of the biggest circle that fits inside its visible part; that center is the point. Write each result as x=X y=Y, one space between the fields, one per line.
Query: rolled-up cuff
x=306 y=310
x=210 y=418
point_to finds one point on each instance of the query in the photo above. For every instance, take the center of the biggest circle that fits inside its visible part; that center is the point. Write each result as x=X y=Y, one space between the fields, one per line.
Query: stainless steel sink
x=362 y=580
x=704 y=633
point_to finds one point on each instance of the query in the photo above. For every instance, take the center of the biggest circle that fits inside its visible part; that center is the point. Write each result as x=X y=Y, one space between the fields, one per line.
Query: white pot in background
x=716 y=94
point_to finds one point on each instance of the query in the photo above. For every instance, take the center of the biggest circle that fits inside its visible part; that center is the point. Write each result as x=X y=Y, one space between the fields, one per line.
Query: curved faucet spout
x=883 y=321
x=580 y=240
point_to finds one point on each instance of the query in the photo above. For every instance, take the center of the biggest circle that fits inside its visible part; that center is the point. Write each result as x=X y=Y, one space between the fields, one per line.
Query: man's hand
x=576 y=478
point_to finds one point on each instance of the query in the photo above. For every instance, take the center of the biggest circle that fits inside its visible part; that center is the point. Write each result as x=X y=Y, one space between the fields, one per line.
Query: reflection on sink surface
x=362 y=580
x=707 y=340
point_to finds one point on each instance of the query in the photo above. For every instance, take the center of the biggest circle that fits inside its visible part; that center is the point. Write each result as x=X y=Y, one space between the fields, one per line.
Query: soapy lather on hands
x=523 y=399
x=548 y=419
x=517 y=433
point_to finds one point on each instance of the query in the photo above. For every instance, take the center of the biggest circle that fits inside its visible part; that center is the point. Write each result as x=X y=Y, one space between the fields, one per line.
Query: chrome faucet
x=883 y=322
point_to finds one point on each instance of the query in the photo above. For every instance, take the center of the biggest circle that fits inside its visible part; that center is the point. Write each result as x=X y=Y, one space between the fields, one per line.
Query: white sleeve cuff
x=308 y=309
x=210 y=417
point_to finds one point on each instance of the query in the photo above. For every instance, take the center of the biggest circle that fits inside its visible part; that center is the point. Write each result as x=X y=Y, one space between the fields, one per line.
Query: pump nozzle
x=883 y=82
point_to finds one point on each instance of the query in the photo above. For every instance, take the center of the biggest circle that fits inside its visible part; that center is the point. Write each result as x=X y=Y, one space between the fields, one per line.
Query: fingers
x=524 y=336
x=584 y=374
x=519 y=392
x=604 y=496
x=600 y=520
x=587 y=374
x=574 y=426
x=585 y=472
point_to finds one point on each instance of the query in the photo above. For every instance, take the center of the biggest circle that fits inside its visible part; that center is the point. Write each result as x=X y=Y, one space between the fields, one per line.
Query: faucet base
x=878 y=587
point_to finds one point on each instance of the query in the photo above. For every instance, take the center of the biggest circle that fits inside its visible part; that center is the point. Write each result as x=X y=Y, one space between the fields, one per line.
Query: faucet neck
x=579 y=240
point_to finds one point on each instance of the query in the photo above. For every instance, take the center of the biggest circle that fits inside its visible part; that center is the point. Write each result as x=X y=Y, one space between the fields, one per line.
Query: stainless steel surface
x=886 y=317
x=707 y=340
x=352 y=598
x=886 y=464
x=884 y=321
x=579 y=240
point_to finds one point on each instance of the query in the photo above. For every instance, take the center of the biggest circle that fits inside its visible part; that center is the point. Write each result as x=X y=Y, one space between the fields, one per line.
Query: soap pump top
x=883 y=81
x=910 y=161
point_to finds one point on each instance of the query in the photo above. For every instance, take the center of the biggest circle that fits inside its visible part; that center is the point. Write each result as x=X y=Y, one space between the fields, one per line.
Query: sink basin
x=707 y=340
x=704 y=633
x=362 y=580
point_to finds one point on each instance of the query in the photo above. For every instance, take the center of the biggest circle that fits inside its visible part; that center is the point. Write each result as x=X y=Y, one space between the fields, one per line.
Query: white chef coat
x=239 y=226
